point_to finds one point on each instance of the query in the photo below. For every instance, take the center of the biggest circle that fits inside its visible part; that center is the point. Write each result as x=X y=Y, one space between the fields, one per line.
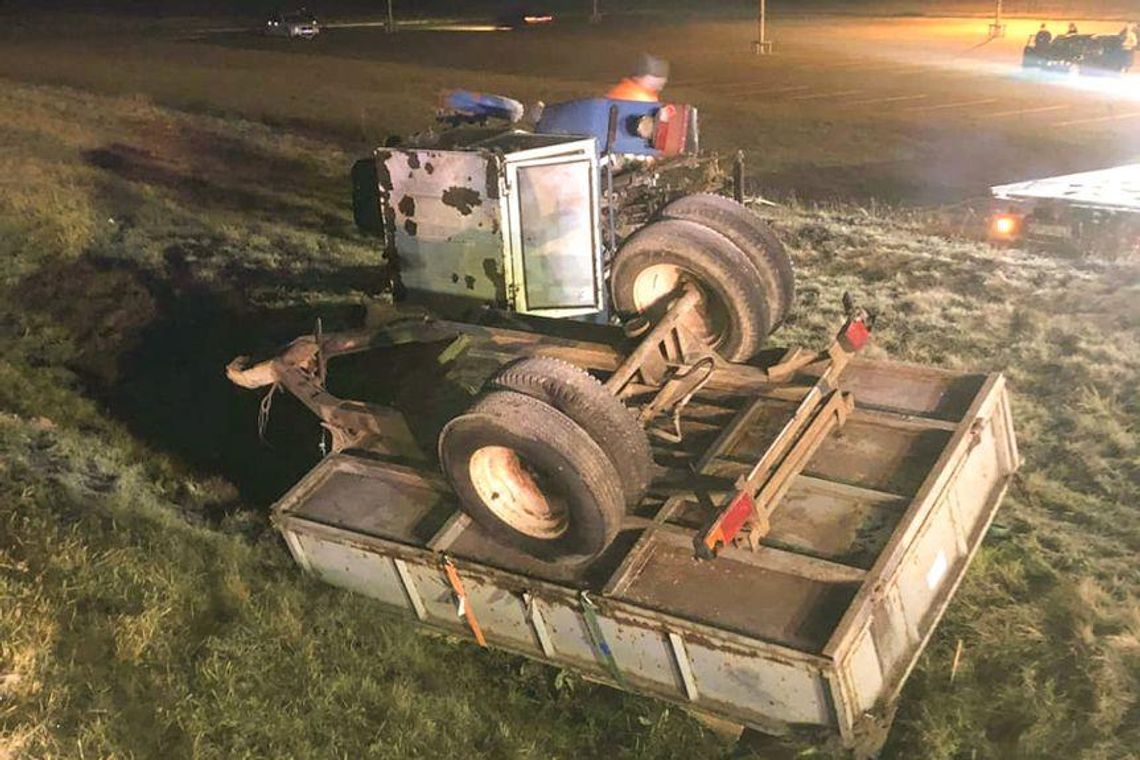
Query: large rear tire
x=752 y=235
x=532 y=478
x=577 y=394
x=650 y=269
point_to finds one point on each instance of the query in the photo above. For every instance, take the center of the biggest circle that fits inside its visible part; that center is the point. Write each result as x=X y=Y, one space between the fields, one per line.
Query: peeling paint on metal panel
x=383 y=176
x=492 y=179
x=462 y=199
x=495 y=274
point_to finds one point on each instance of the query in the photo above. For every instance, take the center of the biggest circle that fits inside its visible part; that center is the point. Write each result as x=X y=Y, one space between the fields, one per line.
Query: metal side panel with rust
x=512 y=222
x=818 y=627
x=445 y=218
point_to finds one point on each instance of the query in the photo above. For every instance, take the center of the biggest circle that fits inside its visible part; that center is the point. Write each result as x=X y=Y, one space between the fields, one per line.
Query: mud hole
x=152 y=347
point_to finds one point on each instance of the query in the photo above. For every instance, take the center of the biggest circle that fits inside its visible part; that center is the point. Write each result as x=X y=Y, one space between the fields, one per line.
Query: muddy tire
x=532 y=478
x=650 y=267
x=752 y=235
x=577 y=394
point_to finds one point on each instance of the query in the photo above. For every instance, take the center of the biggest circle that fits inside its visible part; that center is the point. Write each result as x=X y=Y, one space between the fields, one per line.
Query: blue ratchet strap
x=601 y=646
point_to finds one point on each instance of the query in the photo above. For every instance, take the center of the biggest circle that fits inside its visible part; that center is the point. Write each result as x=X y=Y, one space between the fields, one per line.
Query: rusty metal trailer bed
x=819 y=627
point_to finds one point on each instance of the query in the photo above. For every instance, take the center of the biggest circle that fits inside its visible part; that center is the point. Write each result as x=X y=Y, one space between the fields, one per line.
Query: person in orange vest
x=645 y=85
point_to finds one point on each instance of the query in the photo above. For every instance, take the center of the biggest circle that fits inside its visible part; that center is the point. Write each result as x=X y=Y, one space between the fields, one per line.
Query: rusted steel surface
x=819 y=627
x=641 y=191
x=445 y=221
x=511 y=222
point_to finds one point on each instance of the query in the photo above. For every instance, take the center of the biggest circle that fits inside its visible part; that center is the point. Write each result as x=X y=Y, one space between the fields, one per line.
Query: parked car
x=294 y=24
x=523 y=16
x=1085 y=53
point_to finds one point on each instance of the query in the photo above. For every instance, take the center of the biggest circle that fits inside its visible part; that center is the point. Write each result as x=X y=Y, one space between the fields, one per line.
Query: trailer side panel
x=887 y=626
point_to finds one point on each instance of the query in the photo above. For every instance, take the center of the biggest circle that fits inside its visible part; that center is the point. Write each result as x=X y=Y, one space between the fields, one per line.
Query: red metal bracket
x=823 y=409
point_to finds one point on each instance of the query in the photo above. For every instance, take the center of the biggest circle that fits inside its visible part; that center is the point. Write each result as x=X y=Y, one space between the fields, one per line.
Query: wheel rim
x=513 y=491
x=654 y=283
x=659 y=281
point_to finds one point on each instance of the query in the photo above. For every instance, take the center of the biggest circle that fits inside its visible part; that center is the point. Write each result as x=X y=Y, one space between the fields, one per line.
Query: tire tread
x=578 y=394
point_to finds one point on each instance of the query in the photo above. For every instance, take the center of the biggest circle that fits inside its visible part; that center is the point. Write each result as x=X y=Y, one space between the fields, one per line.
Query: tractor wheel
x=577 y=394
x=532 y=478
x=752 y=235
x=651 y=267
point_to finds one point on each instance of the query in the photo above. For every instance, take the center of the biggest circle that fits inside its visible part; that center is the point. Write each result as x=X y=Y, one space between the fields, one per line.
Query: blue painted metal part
x=591 y=117
x=483 y=105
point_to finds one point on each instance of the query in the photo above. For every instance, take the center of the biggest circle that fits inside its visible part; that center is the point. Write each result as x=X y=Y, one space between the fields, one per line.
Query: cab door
x=553 y=230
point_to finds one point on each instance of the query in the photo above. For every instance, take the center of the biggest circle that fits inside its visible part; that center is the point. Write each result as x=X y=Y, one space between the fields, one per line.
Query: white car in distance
x=293 y=25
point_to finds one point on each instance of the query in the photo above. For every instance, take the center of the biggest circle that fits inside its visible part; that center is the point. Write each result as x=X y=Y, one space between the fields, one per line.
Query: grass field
x=147 y=611
x=906 y=110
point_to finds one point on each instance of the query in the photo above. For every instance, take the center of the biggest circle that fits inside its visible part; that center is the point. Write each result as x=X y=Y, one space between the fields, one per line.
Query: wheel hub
x=657 y=285
x=510 y=489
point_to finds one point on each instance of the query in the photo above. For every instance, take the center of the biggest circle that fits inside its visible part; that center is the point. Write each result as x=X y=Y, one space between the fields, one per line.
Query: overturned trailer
x=632 y=489
x=809 y=618
x=768 y=540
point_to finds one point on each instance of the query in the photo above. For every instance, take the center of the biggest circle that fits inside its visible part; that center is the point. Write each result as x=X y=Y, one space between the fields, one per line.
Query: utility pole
x=762 y=45
x=391 y=19
x=997 y=28
x=595 y=17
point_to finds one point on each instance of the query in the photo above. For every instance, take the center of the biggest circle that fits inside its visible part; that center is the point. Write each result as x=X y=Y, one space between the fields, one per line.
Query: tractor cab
x=510 y=220
x=482 y=213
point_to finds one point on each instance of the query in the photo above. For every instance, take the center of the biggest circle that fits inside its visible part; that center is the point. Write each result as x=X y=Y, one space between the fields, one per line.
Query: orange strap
x=461 y=597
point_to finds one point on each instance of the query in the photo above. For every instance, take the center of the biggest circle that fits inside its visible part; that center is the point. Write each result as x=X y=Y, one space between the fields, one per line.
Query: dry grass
x=147 y=612
x=1048 y=614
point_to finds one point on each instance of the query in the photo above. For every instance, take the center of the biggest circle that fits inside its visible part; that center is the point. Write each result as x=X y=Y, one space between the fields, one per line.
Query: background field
x=911 y=110
x=173 y=196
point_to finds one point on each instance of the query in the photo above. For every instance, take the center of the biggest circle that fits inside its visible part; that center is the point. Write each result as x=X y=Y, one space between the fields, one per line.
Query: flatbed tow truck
x=1095 y=212
x=633 y=488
